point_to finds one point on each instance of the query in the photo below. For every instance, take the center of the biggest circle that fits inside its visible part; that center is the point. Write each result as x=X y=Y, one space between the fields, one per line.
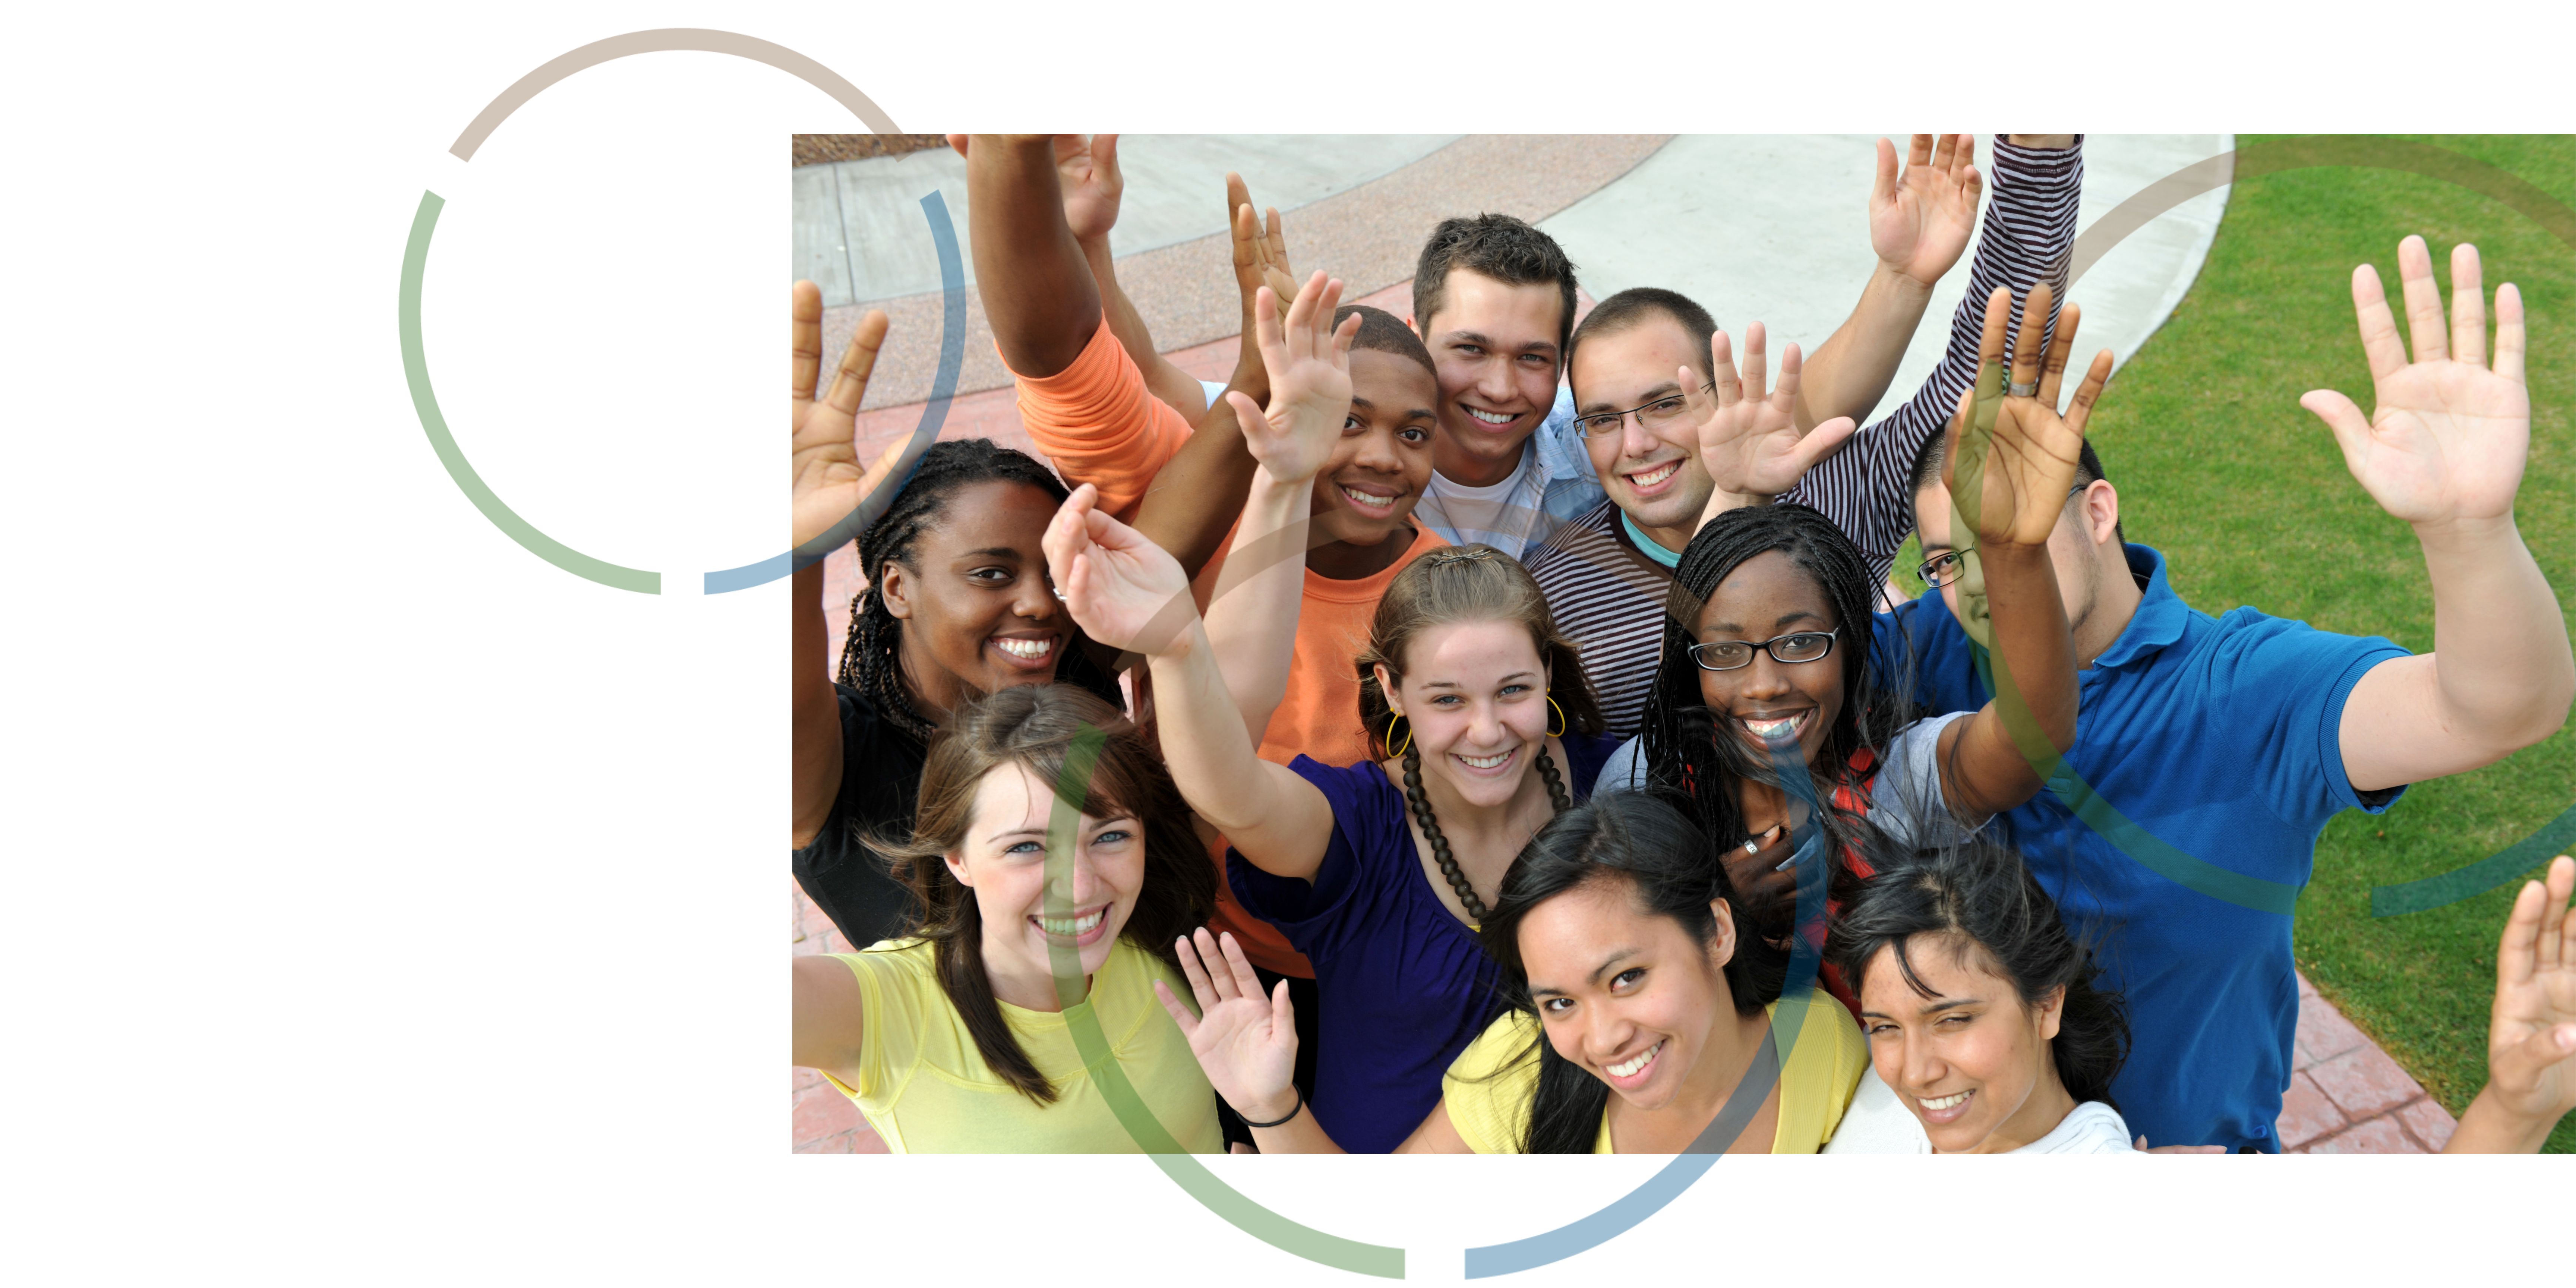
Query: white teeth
x=1656 y=475
x=1771 y=728
x=1077 y=926
x=1030 y=649
x=1367 y=498
x=1624 y=1070
x=1945 y=1102
x=1491 y=417
x=1485 y=762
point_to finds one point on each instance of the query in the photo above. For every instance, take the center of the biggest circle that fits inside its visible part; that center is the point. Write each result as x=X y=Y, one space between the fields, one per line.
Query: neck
x=1458 y=467
x=1673 y=540
x=2115 y=601
x=1342 y=561
x=2049 y=1104
x=1017 y=982
x=932 y=689
x=1724 y=1060
x=1764 y=805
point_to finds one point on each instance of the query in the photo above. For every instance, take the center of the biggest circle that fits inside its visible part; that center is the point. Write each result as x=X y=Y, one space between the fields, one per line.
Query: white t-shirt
x=1878 y=1123
x=1502 y=515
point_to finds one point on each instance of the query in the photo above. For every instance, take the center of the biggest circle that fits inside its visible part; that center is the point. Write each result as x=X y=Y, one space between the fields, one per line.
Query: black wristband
x=1301 y=1106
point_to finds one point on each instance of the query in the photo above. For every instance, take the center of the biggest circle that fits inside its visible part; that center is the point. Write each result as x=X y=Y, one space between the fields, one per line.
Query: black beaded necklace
x=1420 y=804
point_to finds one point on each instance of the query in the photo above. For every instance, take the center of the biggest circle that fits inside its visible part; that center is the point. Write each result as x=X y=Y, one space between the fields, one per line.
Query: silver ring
x=1751 y=846
x=2016 y=389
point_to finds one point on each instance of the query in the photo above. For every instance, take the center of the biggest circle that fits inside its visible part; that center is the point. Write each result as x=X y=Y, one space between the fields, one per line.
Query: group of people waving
x=1396 y=749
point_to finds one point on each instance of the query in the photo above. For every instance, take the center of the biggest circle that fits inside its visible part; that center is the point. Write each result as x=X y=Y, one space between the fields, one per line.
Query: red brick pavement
x=2347 y=1097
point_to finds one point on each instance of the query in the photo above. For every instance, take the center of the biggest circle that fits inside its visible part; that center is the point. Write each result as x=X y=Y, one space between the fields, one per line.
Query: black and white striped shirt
x=1609 y=598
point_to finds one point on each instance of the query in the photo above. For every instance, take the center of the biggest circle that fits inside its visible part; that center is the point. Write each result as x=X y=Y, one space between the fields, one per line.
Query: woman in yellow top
x=955 y=1040
x=1639 y=1001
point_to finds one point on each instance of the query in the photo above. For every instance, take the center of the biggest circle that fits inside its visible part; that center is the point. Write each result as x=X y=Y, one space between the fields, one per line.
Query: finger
x=1180 y=1014
x=1237 y=196
x=2351 y=428
x=1784 y=396
x=1918 y=150
x=957 y=144
x=2423 y=300
x=1247 y=239
x=2379 y=342
x=1821 y=441
x=1275 y=243
x=1222 y=981
x=2557 y=945
x=1104 y=156
x=1265 y=327
x=858 y=362
x=1964 y=160
x=1066 y=536
x=1943 y=146
x=1186 y=949
x=1246 y=983
x=2031 y=346
x=1247 y=413
x=1753 y=382
x=2061 y=342
x=1990 y=343
x=1283 y=1015
x=1972 y=184
x=2468 y=307
x=2089 y=392
x=1325 y=308
x=2526 y=1062
x=1882 y=186
x=804 y=343
x=1721 y=370
x=1348 y=331
x=1301 y=318
x=2508 y=346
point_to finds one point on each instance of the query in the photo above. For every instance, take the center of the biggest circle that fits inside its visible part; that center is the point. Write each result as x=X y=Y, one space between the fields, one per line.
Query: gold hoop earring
x=1562 y=724
x=1391 y=748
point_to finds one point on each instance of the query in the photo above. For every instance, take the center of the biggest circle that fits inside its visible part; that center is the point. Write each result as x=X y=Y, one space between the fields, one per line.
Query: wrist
x=1904 y=287
x=1273 y=1110
x=2466 y=536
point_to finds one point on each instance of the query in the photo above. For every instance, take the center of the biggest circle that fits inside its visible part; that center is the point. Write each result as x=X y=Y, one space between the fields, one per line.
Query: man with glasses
x=2221 y=746
x=1606 y=573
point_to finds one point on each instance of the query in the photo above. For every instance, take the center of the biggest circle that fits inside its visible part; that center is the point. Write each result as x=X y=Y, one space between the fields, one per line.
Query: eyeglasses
x=1942 y=569
x=1728 y=655
x=1651 y=417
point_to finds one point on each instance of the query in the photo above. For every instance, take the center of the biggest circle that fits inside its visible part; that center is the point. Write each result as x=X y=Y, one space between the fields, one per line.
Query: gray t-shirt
x=1905 y=801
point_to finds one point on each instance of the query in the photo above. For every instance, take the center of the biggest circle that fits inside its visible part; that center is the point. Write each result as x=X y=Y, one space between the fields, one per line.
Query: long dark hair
x=1035 y=726
x=1982 y=899
x=1687 y=749
x=1646 y=846
x=871 y=659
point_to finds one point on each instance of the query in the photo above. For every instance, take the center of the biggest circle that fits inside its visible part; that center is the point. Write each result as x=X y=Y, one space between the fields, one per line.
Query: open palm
x=2449 y=436
x=1244 y=1041
x=1122 y=589
x=2528 y=1071
x=829 y=481
x=1308 y=362
x=1749 y=441
x=1919 y=224
x=1086 y=167
x=2014 y=458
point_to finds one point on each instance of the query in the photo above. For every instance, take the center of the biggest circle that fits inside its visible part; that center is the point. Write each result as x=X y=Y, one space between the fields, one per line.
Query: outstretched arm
x=828 y=1017
x=1201 y=490
x=1037 y=289
x=1748 y=439
x=2444 y=451
x=1130 y=595
x=1252 y=619
x=1093 y=186
x=2531 y=1034
x=2010 y=469
x=1919 y=225
x=829 y=484
x=1247 y=1045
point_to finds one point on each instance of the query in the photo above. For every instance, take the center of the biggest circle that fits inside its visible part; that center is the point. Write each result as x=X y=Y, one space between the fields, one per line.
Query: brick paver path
x=2347 y=1097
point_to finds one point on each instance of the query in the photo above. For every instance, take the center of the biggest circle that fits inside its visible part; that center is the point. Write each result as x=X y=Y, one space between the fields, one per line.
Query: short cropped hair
x=1636 y=306
x=1935 y=453
x=1384 y=332
x=1500 y=247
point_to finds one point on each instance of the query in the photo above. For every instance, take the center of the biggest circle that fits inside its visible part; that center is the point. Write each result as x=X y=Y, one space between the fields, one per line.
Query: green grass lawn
x=2247 y=495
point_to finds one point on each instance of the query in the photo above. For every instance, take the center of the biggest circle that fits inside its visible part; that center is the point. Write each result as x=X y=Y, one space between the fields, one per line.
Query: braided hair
x=1687 y=749
x=871 y=660
x=1638 y=841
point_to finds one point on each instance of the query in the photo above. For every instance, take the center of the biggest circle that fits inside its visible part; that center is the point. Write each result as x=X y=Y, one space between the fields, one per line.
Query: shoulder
x=1878 y=1123
x=1488 y=1088
x=893 y=962
x=2093 y=1128
x=1830 y=1056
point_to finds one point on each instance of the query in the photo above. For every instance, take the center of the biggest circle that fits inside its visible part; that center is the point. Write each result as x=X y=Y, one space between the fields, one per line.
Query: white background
x=385 y=904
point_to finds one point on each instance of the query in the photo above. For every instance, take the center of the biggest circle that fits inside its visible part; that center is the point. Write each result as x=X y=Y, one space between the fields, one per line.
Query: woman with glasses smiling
x=1766 y=657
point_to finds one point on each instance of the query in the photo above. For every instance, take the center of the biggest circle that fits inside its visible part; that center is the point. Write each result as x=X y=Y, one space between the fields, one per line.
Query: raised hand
x=2531 y=1033
x=829 y=481
x=1246 y=1044
x=1309 y=365
x=1749 y=442
x=1919 y=224
x=2013 y=457
x=1087 y=168
x=1123 y=590
x=1260 y=250
x=2447 y=441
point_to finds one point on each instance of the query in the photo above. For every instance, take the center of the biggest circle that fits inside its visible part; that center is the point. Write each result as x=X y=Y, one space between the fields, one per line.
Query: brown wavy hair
x=1035 y=726
x=1471 y=583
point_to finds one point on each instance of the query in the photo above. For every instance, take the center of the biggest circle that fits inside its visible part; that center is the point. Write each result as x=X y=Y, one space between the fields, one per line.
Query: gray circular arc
x=663 y=40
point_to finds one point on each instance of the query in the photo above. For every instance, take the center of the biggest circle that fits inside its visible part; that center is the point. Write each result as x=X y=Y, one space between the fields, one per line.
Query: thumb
x=2351 y=428
x=1882 y=188
x=1247 y=413
x=1104 y=154
x=1821 y=441
x=2522 y=1064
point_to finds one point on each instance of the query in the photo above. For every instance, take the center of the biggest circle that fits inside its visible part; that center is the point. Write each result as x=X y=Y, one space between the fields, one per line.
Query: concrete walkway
x=1767 y=228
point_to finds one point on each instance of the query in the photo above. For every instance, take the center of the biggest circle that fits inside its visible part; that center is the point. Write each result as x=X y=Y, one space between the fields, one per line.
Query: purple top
x=1402 y=985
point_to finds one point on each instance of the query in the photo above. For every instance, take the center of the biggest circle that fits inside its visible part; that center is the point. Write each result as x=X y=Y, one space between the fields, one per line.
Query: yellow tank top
x=925 y=1088
x=1488 y=1089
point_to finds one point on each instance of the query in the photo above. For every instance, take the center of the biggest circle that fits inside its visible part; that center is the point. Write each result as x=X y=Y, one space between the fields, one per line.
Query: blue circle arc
x=943 y=389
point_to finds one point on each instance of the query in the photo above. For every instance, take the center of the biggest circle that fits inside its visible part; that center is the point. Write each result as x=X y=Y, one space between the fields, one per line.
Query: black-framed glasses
x=1942 y=569
x=1650 y=417
x=1727 y=655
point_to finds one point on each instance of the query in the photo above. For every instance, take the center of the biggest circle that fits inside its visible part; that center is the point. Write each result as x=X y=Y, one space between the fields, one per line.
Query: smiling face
x=976 y=607
x=1768 y=596
x=1496 y=345
x=1476 y=696
x=1629 y=996
x=1971 y=1061
x=2075 y=553
x=1655 y=476
x=1003 y=860
x=1377 y=472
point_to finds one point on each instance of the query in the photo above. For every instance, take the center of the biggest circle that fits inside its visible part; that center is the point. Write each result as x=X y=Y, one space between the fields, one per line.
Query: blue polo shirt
x=2221 y=738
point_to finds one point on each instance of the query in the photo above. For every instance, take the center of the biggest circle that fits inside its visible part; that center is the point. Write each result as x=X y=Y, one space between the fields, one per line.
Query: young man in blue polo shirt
x=2211 y=751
